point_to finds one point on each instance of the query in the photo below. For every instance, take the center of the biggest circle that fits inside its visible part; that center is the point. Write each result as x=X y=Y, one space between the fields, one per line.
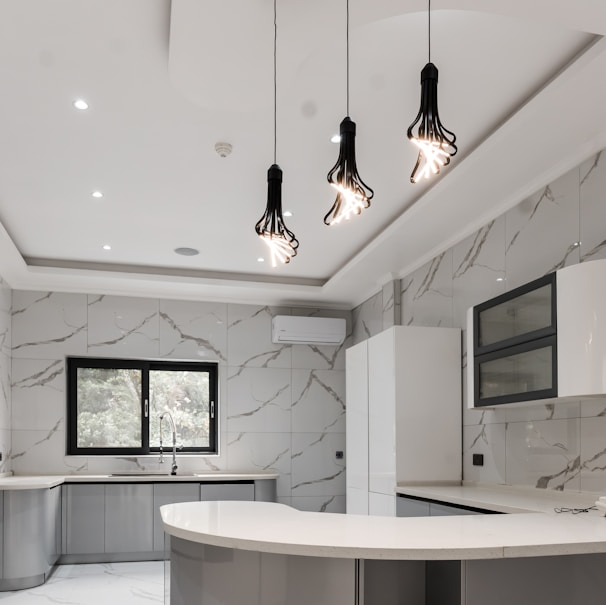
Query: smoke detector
x=223 y=149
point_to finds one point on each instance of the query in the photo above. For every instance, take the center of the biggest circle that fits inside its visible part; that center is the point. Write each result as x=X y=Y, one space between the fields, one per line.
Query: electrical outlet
x=477 y=459
x=339 y=455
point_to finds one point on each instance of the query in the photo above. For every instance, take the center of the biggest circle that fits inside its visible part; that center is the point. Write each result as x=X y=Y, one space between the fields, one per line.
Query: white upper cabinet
x=545 y=340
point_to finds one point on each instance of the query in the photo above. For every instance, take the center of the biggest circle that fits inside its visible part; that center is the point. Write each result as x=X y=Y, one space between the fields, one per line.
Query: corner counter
x=299 y=557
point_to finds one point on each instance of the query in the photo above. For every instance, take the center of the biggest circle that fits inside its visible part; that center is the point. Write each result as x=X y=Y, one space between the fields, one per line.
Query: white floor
x=96 y=584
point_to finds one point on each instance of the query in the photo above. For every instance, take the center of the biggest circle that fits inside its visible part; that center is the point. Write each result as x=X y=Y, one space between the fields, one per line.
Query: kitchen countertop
x=501 y=498
x=22 y=482
x=277 y=528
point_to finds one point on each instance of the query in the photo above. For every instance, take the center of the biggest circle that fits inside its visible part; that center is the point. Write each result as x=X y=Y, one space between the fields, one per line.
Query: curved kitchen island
x=259 y=553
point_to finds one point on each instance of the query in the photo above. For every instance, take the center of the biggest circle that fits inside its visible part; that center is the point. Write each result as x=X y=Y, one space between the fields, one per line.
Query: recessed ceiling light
x=335 y=138
x=80 y=104
x=107 y=247
x=500 y=279
x=576 y=244
x=287 y=213
x=97 y=194
x=260 y=260
x=187 y=251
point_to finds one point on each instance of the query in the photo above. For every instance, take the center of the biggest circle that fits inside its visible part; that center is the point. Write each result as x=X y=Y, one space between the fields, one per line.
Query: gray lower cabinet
x=29 y=536
x=411 y=507
x=170 y=493
x=227 y=491
x=129 y=512
x=84 y=519
x=408 y=507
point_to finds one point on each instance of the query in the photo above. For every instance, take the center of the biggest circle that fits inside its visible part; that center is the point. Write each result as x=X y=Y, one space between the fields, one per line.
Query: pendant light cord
x=275 y=84
x=429 y=30
x=347 y=46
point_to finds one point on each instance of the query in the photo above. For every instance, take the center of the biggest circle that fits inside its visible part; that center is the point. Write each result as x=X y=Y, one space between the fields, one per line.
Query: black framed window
x=113 y=405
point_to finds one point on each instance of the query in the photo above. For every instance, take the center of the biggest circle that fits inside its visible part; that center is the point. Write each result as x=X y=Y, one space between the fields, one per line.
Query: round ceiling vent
x=187 y=251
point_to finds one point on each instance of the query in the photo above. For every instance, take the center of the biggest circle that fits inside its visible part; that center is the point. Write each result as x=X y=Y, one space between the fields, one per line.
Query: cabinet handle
x=146 y=408
x=212 y=409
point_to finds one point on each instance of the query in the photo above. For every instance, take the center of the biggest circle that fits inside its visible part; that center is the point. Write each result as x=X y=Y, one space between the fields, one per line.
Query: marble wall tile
x=318 y=402
x=392 y=307
x=121 y=325
x=48 y=325
x=367 y=318
x=6 y=303
x=478 y=269
x=5 y=448
x=259 y=400
x=543 y=411
x=593 y=407
x=427 y=294
x=193 y=330
x=554 y=211
x=320 y=504
x=544 y=454
x=249 y=338
x=480 y=416
x=315 y=469
x=593 y=207
x=489 y=440
x=38 y=394
x=5 y=392
x=262 y=452
x=593 y=454
x=43 y=453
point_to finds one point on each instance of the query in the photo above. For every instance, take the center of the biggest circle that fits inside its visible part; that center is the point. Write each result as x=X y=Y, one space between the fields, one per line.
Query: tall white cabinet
x=403 y=422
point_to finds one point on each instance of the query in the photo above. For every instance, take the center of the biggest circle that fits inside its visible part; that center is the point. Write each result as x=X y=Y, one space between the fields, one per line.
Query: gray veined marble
x=318 y=403
x=123 y=326
x=249 y=338
x=316 y=471
x=427 y=294
x=48 y=325
x=367 y=318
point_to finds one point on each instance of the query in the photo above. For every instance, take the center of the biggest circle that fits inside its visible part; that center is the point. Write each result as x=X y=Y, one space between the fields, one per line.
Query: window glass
x=186 y=396
x=109 y=407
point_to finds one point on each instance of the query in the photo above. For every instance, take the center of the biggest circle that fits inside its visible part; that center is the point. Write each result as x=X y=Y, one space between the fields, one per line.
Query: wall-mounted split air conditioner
x=287 y=329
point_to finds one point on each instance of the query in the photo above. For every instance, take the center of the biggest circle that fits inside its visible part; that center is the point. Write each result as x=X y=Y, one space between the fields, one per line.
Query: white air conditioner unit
x=287 y=329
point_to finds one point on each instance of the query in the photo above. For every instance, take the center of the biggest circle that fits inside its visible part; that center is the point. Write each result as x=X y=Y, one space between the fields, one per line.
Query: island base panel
x=557 y=580
x=210 y=575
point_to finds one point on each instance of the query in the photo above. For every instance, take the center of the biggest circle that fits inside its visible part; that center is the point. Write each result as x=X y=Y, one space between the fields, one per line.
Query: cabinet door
x=129 y=511
x=357 y=501
x=381 y=505
x=85 y=519
x=408 y=507
x=52 y=525
x=356 y=419
x=170 y=493
x=382 y=414
x=443 y=510
x=227 y=491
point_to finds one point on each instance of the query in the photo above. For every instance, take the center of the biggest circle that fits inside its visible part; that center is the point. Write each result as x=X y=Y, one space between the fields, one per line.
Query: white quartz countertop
x=501 y=498
x=16 y=482
x=277 y=528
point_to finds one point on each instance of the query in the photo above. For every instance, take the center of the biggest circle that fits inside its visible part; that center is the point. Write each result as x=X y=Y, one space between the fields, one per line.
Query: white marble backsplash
x=5 y=375
x=282 y=407
x=558 y=446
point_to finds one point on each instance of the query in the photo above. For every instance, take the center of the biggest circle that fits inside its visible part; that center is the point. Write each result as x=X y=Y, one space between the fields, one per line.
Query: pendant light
x=271 y=227
x=435 y=142
x=353 y=194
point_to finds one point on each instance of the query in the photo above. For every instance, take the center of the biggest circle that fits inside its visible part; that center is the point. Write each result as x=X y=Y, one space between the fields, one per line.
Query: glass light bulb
x=434 y=155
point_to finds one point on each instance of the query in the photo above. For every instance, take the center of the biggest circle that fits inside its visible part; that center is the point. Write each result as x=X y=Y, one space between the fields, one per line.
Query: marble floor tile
x=97 y=584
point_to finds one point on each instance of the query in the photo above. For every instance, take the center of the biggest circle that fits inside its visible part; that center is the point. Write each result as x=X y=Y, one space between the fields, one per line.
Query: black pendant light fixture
x=353 y=194
x=271 y=227
x=435 y=142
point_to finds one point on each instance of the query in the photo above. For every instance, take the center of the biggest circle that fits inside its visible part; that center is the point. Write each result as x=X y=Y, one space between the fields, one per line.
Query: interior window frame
x=145 y=366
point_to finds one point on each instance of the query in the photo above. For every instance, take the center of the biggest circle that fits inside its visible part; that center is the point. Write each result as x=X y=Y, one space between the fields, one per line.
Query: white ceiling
x=521 y=84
